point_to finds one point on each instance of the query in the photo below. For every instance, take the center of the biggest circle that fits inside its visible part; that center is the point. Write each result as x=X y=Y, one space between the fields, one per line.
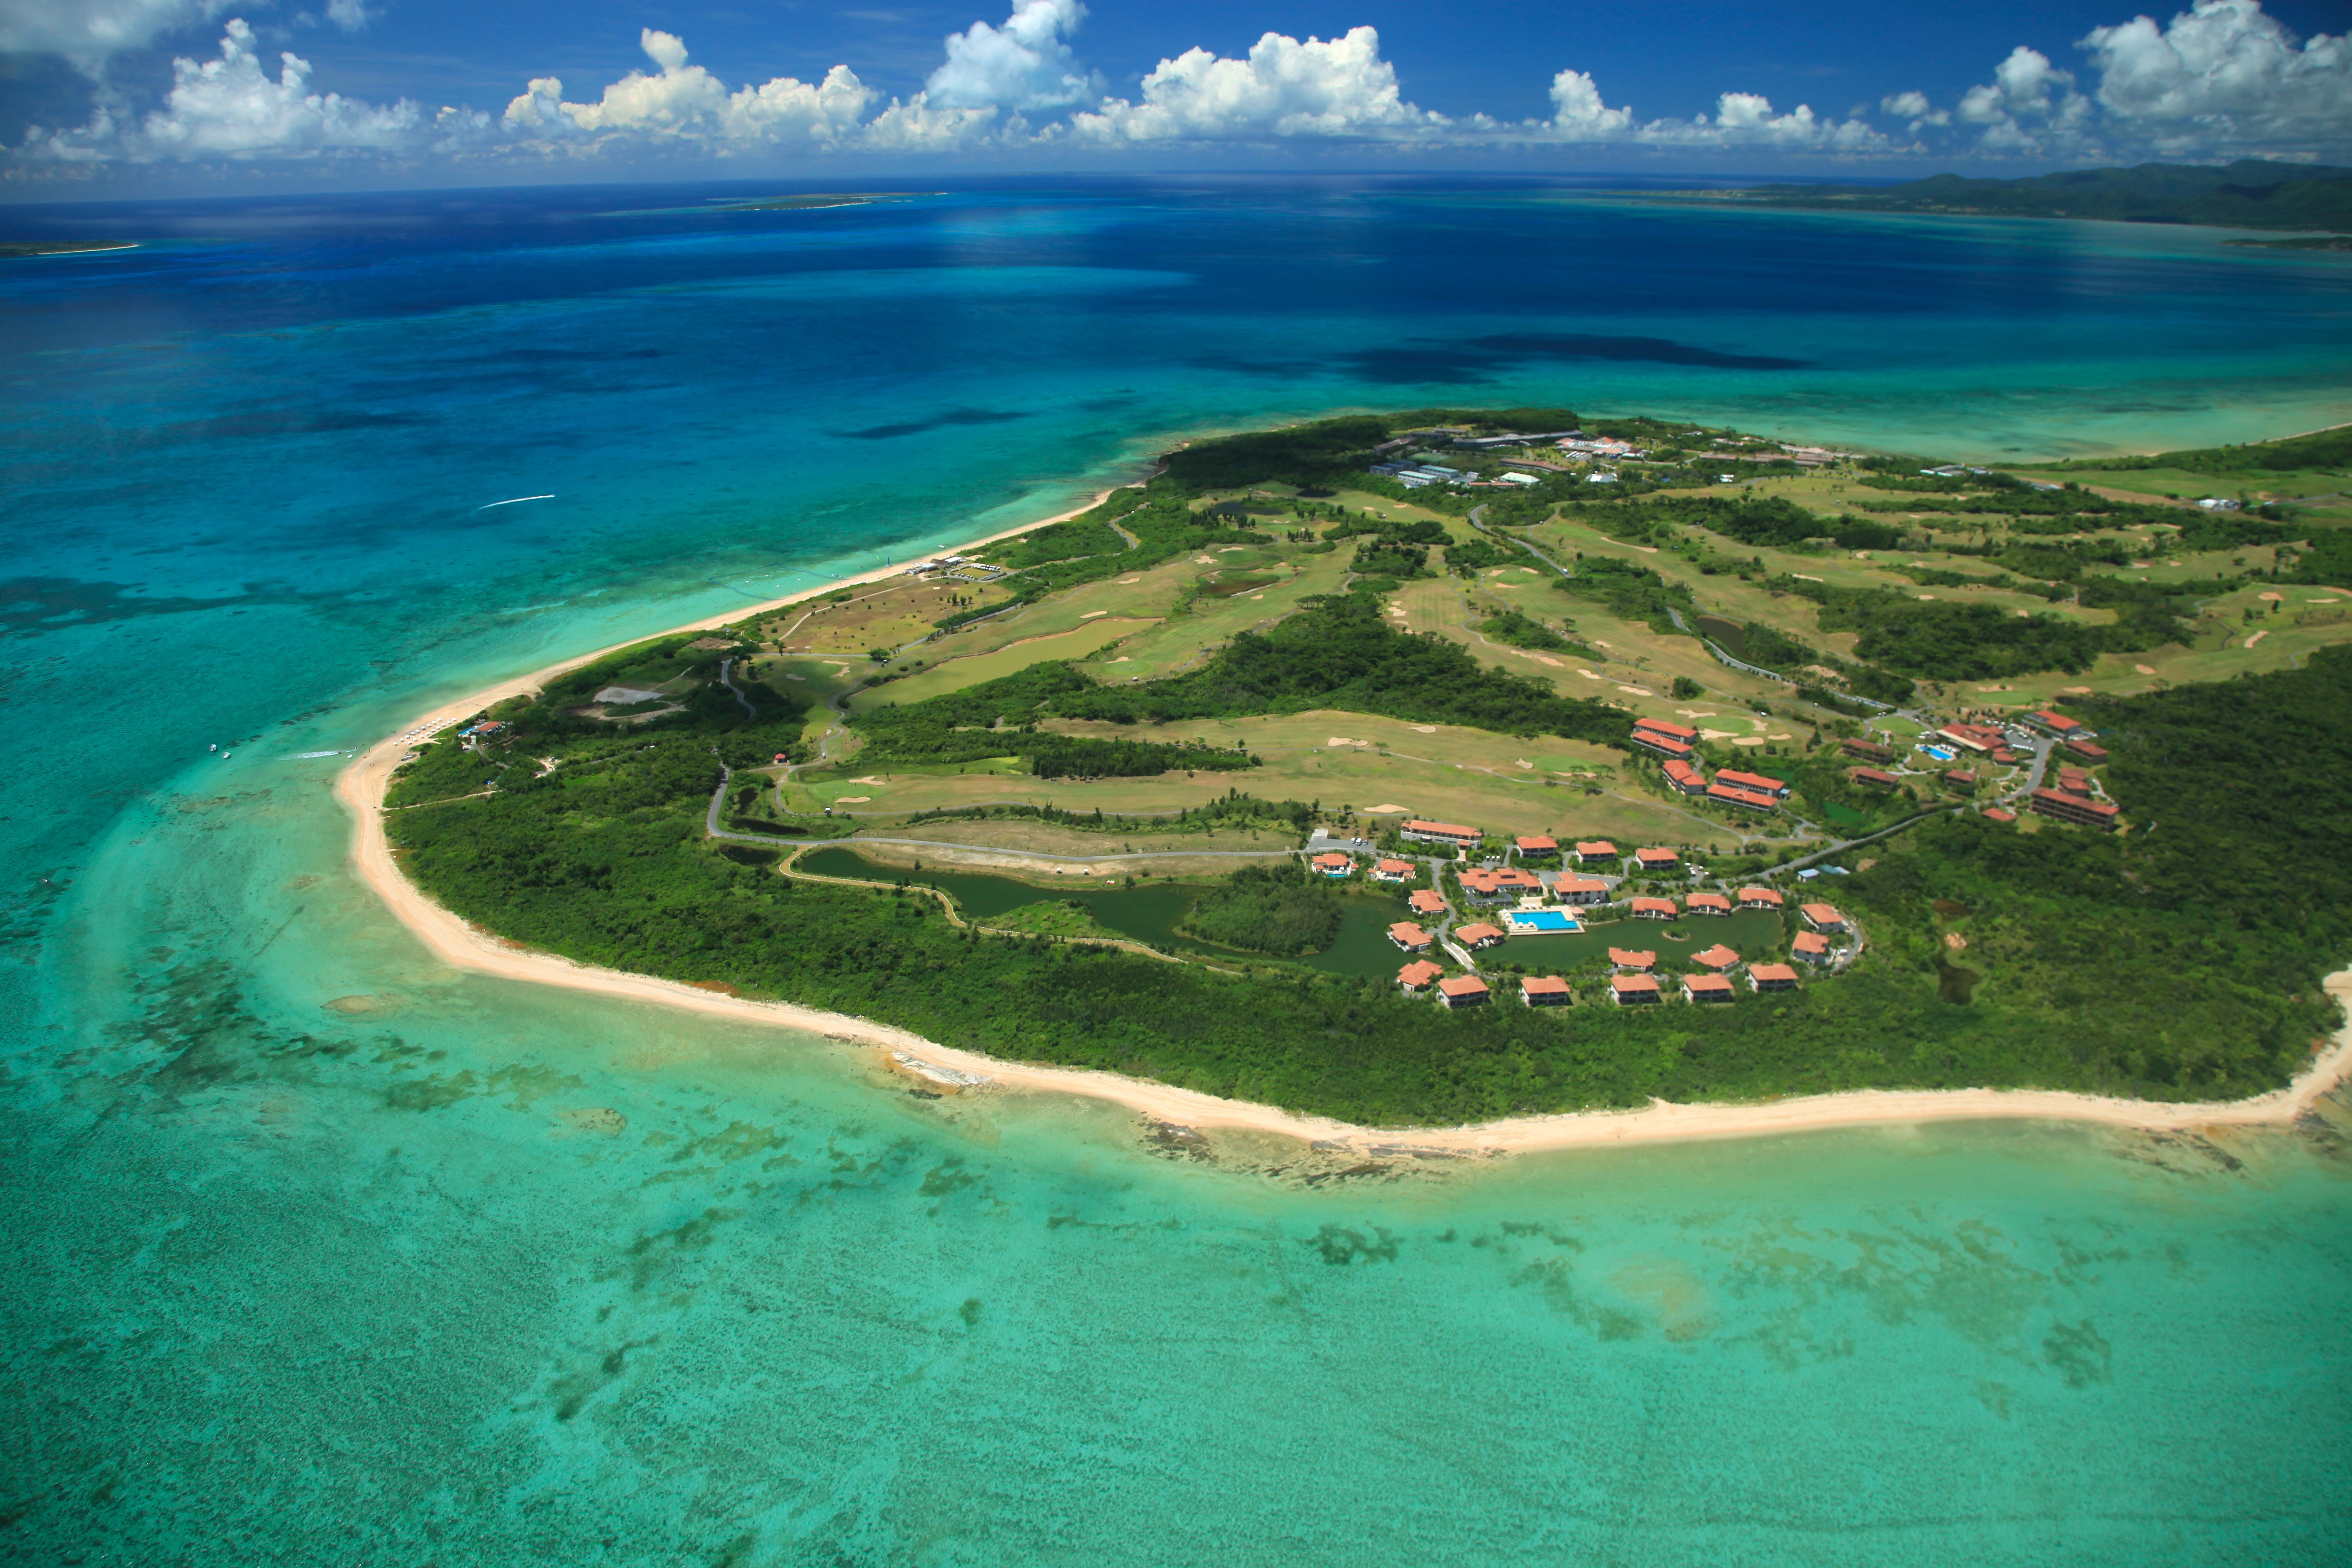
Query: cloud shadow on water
x=1479 y=359
x=937 y=421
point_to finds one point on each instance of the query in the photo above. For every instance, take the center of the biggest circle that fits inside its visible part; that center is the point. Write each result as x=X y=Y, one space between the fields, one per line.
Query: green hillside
x=2248 y=193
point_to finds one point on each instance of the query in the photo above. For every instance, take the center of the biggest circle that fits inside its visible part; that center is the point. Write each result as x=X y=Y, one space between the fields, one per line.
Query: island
x=2252 y=193
x=1490 y=768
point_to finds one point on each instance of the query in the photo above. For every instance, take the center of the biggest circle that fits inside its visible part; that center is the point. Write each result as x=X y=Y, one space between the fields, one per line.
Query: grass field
x=955 y=674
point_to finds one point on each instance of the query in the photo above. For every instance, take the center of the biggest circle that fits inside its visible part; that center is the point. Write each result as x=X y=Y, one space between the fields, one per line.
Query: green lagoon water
x=319 y=1252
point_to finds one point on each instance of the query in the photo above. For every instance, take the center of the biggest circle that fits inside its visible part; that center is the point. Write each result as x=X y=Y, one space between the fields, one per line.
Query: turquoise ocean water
x=460 y=1271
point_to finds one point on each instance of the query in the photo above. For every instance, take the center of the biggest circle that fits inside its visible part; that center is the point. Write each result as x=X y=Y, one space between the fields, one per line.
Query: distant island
x=1463 y=765
x=13 y=249
x=2252 y=193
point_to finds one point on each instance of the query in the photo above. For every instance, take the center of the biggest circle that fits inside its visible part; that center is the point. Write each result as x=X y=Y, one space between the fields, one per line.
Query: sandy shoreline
x=361 y=786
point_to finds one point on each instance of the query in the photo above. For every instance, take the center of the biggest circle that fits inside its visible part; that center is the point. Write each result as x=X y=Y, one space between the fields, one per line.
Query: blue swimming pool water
x=1543 y=919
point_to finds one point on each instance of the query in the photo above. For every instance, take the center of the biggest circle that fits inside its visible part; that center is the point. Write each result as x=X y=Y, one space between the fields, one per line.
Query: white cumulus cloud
x=351 y=15
x=1913 y=107
x=683 y=103
x=2029 y=106
x=1023 y=64
x=1284 y=88
x=231 y=107
x=2224 y=72
x=87 y=31
x=1581 y=114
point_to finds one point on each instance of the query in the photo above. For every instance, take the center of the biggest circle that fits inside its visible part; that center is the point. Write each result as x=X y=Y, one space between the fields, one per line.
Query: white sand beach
x=362 y=785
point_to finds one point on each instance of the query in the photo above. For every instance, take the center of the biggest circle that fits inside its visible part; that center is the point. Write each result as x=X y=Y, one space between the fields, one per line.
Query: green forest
x=2181 y=960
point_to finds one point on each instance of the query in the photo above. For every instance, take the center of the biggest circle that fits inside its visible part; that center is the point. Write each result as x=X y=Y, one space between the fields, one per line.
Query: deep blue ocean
x=464 y=1271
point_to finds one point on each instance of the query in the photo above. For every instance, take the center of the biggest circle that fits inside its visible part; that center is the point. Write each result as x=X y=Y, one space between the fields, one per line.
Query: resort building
x=1867 y=750
x=1684 y=777
x=1416 y=978
x=1452 y=832
x=2095 y=755
x=1707 y=988
x=1462 y=990
x=1656 y=860
x=1630 y=990
x=1537 y=846
x=2074 y=782
x=1995 y=814
x=1410 y=937
x=1631 y=962
x=1872 y=778
x=1392 y=872
x=1749 y=799
x=1759 y=899
x=1978 y=738
x=1961 y=780
x=1771 y=977
x=2059 y=725
x=1708 y=904
x=1474 y=937
x=1598 y=852
x=1333 y=866
x=2066 y=808
x=1499 y=884
x=1716 y=960
x=1426 y=902
x=1544 y=991
x=1573 y=889
x=1758 y=783
x=1811 y=946
x=2006 y=757
x=1665 y=737
x=1653 y=909
x=1823 y=917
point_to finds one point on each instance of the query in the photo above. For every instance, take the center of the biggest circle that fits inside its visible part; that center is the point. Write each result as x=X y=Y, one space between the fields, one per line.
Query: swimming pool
x=1548 y=920
x=1941 y=754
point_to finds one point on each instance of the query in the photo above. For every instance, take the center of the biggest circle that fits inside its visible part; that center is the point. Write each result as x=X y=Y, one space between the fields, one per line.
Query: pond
x=1731 y=636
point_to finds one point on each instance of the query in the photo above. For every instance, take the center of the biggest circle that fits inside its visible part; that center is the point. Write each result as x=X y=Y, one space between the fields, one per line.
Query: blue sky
x=112 y=93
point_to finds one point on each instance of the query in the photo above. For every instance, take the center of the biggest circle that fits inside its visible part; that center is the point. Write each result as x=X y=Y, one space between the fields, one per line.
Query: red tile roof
x=1462 y=986
x=1625 y=958
x=1682 y=733
x=1770 y=973
x=1822 y=914
x=1661 y=906
x=1441 y=829
x=1333 y=862
x=1427 y=901
x=1683 y=776
x=1408 y=936
x=1698 y=985
x=1633 y=985
x=1995 y=814
x=1754 y=799
x=1810 y=943
x=1536 y=844
x=1657 y=857
x=1418 y=975
x=1600 y=847
x=1879 y=777
x=1765 y=896
x=1477 y=936
x=1393 y=867
x=1715 y=902
x=1564 y=886
x=1718 y=957
x=1751 y=781
x=1543 y=986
